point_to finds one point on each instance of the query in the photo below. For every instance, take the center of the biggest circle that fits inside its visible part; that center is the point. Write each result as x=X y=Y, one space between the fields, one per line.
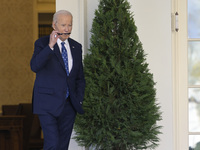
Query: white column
x=78 y=10
x=153 y=20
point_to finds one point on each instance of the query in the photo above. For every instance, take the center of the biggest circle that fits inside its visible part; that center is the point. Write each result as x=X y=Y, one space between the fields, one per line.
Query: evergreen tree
x=120 y=105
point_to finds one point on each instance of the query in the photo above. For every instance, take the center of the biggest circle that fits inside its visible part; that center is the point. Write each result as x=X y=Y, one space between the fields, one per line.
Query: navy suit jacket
x=49 y=93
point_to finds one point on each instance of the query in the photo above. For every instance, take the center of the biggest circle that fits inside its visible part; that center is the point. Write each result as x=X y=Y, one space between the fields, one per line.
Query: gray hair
x=63 y=12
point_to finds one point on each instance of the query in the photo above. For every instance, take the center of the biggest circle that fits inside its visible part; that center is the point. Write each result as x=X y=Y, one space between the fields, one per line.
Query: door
x=186 y=68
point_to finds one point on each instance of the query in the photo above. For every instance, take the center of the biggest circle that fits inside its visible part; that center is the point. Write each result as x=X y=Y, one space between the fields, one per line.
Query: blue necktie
x=65 y=59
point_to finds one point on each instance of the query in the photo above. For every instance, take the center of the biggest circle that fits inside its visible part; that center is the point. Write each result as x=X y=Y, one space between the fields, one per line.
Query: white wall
x=153 y=20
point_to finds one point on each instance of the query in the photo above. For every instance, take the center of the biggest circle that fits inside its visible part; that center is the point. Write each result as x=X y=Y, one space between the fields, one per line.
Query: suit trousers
x=57 y=130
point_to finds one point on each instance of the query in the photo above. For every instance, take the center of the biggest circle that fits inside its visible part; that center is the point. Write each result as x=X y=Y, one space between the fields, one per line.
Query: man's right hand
x=53 y=38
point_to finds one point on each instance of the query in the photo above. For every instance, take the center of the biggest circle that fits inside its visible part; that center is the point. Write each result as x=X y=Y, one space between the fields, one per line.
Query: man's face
x=63 y=25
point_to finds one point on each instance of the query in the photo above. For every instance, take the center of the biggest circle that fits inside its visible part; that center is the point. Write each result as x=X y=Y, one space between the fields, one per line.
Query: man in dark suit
x=59 y=85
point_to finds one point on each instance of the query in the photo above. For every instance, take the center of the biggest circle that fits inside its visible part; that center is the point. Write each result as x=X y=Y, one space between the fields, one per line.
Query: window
x=193 y=42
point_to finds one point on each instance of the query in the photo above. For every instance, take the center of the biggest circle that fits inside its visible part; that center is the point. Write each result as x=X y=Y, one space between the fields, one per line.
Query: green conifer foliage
x=120 y=105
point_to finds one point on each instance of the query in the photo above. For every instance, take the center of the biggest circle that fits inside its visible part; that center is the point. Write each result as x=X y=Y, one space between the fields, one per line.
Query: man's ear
x=54 y=25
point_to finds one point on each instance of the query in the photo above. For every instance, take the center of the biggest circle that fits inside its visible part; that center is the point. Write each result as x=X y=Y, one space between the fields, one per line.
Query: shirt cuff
x=52 y=48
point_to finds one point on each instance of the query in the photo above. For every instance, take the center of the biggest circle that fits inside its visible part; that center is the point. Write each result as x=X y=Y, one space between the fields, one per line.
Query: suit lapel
x=72 y=48
x=57 y=52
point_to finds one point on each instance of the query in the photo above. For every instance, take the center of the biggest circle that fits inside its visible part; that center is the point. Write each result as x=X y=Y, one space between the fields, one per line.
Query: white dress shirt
x=69 y=55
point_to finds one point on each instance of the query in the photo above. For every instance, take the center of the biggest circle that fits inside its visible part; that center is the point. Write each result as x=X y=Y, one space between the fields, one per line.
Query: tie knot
x=63 y=43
